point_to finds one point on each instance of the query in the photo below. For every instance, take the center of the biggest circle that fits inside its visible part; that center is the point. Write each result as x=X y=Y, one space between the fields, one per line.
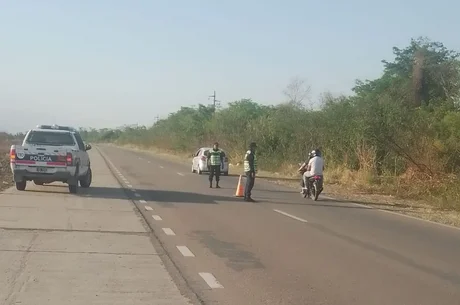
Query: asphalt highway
x=201 y=245
x=285 y=249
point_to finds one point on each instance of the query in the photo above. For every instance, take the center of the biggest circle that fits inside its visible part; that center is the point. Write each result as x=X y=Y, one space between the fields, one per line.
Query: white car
x=51 y=153
x=200 y=162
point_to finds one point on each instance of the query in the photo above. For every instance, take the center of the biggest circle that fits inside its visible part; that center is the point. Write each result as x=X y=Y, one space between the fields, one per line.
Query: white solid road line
x=185 y=251
x=148 y=208
x=357 y=204
x=180 y=174
x=137 y=195
x=156 y=217
x=289 y=215
x=210 y=280
x=168 y=231
x=142 y=201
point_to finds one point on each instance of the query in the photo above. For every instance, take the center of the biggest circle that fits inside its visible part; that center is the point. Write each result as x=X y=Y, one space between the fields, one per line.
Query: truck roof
x=51 y=130
x=55 y=127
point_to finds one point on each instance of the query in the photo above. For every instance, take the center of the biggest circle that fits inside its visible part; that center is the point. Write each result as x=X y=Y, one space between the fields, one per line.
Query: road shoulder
x=88 y=248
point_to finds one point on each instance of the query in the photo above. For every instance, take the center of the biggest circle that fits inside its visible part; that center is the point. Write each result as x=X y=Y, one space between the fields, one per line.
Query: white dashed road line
x=210 y=280
x=142 y=201
x=168 y=231
x=161 y=166
x=129 y=185
x=149 y=162
x=180 y=174
x=147 y=208
x=156 y=217
x=185 y=251
x=289 y=215
x=137 y=195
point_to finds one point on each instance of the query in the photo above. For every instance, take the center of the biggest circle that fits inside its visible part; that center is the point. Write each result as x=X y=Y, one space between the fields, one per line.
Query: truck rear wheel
x=73 y=188
x=21 y=186
x=73 y=185
x=86 y=181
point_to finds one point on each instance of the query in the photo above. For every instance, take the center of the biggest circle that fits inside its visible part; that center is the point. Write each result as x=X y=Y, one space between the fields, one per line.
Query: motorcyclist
x=302 y=170
x=314 y=167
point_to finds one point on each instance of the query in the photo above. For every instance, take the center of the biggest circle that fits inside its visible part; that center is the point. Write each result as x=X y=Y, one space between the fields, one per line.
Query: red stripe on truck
x=56 y=163
x=23 y=161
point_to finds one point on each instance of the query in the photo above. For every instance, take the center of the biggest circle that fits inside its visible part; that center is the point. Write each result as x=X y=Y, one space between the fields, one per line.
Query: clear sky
x=113 y=62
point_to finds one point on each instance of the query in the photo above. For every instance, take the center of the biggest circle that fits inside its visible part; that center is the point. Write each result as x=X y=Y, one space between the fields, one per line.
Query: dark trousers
x=249 y=185
x=214 y=170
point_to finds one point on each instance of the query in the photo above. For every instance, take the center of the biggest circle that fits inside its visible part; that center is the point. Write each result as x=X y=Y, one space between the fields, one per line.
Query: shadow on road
x=158 y=196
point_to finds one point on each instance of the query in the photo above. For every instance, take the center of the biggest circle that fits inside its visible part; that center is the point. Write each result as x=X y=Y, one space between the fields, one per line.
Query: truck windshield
x=50 y=138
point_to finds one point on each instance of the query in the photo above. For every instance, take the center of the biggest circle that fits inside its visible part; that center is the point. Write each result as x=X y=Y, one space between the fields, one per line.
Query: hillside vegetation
x=398 y=134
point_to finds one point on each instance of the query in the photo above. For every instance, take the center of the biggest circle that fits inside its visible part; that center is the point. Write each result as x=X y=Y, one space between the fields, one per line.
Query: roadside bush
x=397 y=134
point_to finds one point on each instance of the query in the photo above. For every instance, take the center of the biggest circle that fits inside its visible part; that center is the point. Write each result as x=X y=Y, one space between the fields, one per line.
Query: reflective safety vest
x=215 y=157
x=247 y=168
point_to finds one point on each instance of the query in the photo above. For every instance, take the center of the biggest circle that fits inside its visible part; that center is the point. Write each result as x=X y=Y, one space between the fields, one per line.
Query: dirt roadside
x=418 y=209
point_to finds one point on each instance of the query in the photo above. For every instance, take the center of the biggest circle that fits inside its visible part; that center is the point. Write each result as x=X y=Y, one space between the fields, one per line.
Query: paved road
x=330 y=253
x=57 y=248
x=280 y=250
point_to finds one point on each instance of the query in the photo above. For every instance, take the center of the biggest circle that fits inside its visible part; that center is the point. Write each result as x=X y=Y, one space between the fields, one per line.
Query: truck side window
x=80 y=143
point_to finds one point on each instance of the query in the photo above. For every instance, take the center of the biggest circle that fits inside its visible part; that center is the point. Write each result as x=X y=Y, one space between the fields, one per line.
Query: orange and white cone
x=239 y=189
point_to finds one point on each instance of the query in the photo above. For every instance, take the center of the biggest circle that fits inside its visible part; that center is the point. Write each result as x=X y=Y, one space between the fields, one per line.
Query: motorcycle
x=316 y=186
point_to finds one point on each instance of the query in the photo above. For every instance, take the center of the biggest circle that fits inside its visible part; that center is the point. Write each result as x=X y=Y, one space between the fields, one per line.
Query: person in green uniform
x=215 y=163
x=250 y=169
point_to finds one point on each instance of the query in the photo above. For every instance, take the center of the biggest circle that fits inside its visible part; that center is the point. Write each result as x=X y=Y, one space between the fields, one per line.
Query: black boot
x=217 y=185
x=210 y=184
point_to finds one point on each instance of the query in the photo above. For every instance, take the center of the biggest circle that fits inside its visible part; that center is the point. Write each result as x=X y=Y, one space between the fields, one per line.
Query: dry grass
x=409 y=195
x=425 y=199
x=5 y=172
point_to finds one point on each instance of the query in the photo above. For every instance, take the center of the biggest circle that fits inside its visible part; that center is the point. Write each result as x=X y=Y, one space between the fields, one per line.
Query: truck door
x=82 y=154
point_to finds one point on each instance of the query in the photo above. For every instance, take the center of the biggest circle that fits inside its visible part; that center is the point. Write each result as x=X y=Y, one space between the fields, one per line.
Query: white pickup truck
x=51 y=153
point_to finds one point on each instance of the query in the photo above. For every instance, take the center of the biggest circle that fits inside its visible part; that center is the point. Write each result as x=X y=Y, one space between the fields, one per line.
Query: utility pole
x=215 y=102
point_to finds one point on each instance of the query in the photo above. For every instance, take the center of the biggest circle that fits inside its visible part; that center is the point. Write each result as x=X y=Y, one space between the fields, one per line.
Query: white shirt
x=317 y=165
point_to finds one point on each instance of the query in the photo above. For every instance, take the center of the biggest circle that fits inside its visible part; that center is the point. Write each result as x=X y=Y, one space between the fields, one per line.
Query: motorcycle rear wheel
x=315 y=191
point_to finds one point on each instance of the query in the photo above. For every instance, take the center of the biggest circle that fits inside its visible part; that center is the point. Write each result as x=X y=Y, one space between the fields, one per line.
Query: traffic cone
x=239 y=189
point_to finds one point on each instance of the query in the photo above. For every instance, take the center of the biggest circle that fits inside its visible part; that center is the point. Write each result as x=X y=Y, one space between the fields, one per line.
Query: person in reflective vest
x=215 y=163
x=250 y=169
